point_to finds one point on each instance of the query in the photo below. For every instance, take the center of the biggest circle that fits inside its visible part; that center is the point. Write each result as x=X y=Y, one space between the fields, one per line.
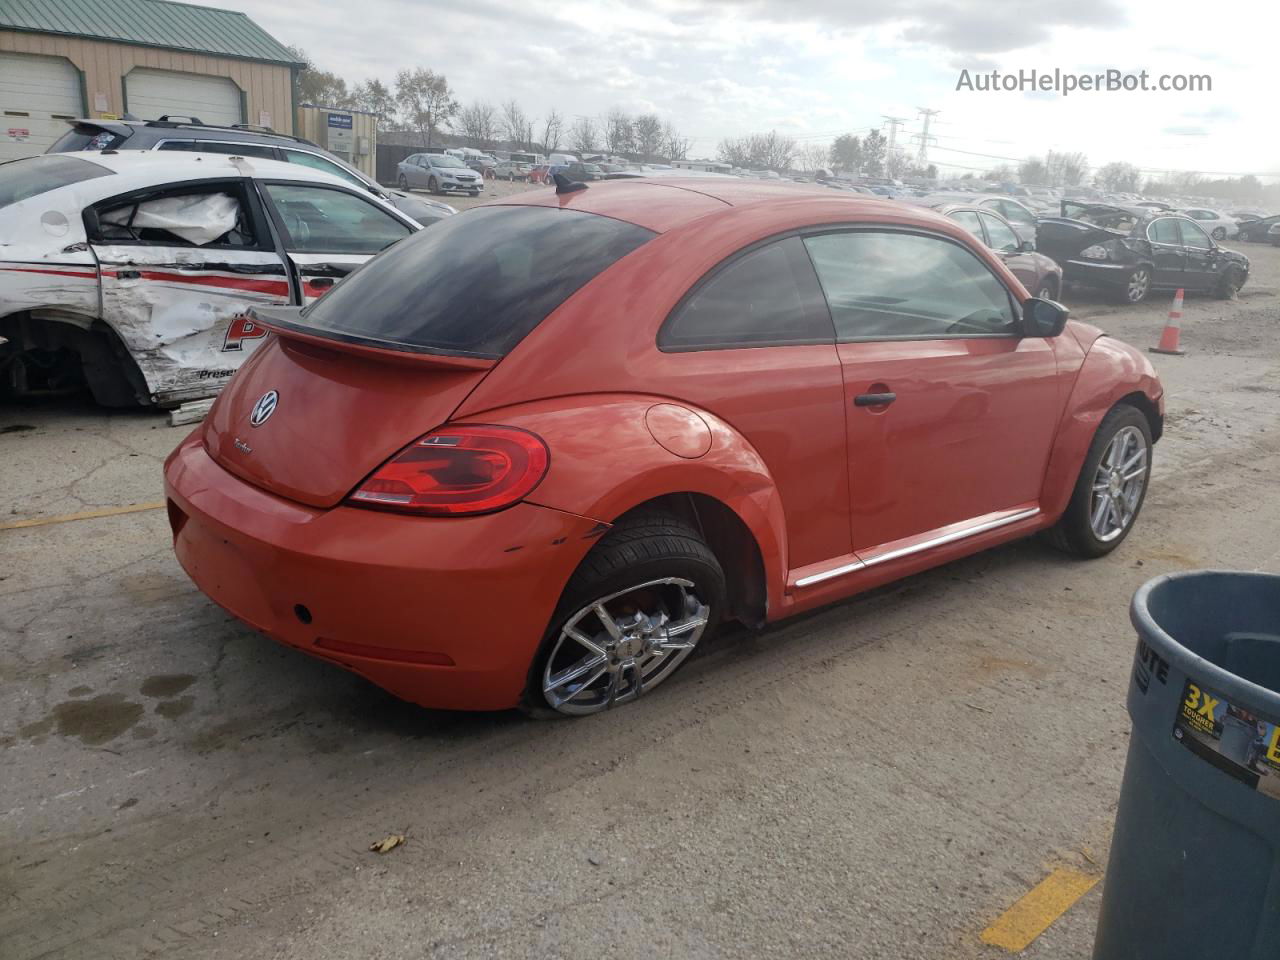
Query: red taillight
x=455 y=471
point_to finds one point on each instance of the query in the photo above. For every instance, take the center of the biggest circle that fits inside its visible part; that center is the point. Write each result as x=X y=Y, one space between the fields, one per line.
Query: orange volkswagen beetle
x=535 y=454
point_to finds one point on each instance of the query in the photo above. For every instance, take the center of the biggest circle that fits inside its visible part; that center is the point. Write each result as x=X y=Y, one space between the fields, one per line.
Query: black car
x=1129 y=251
x=1255 y=231
x=189 y=134
x=582 y=172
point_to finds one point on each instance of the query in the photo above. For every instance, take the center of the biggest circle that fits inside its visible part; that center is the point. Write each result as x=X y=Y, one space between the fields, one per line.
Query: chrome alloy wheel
x=1139 y=282
x=620 y=646
x=1118 y=484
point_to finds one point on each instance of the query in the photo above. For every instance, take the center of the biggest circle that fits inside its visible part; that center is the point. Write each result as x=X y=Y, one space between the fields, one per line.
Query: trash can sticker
x=1239 y=743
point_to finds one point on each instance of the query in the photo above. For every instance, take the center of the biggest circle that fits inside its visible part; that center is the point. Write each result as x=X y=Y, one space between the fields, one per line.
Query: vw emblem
x=264 y=408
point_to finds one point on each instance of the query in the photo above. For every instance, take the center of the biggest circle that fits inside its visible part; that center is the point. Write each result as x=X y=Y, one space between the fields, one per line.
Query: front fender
x=606 y=459
x=1112 y=370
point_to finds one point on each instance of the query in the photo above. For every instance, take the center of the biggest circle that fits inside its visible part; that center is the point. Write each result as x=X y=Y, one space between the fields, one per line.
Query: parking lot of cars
x=213 y=793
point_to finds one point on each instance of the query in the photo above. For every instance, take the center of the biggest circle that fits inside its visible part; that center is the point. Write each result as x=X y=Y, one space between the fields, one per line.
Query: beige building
x=349 y=134
x=61 y=59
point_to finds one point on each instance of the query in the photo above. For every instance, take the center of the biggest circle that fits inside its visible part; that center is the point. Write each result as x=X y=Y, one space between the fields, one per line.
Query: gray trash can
x=1195 y=862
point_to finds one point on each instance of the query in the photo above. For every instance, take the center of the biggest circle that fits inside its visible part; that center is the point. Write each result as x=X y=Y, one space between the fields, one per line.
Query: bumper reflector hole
x=302 y=613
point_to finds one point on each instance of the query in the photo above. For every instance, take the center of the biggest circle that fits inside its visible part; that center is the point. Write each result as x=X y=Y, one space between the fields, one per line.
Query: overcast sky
x=815 y=68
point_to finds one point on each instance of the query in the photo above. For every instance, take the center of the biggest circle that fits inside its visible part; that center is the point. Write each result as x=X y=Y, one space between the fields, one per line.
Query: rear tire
x=653 y=566
x=1076 y=532
x=1136 y=286
x=1219 y=233
x=402 y=183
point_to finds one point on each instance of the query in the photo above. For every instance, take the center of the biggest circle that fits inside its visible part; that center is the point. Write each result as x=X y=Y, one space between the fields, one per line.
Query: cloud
x=964 y=26
x=1185 y=131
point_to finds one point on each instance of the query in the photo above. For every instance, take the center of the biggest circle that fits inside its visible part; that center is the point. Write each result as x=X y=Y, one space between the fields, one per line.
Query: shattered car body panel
x=183 y=313
x=152 y=267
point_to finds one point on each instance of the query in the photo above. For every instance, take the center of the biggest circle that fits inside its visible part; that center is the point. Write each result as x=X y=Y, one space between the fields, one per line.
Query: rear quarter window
x=474 y=284
x=23 y=179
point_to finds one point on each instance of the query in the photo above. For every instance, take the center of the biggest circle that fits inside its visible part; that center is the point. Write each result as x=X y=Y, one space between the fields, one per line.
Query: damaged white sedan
x=134 y=272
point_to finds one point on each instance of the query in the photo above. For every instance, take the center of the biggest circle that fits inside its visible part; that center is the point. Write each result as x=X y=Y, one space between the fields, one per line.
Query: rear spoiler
x=287 y=323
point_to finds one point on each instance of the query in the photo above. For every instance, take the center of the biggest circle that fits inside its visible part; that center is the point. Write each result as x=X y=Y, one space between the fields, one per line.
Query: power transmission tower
x=894 y=123
x=922 y=155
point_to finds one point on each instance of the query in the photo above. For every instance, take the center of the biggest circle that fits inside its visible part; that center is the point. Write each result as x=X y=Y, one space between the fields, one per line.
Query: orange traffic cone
x=1172 y=330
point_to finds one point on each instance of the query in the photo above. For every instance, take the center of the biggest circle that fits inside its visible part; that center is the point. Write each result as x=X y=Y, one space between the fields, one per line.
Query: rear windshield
x=21 y=179
x=86 y=136
x=474 y=284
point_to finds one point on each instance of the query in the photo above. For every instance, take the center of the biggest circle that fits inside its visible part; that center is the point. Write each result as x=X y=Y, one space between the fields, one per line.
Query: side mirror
x=1043 y=318
x=1028 y=246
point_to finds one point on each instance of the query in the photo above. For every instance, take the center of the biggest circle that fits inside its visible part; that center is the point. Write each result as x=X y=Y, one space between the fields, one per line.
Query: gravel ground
x=878 y=779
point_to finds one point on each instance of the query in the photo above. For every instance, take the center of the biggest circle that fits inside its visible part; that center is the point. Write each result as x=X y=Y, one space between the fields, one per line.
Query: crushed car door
x=181 y=265
x=1202 y=267
x=329 y=231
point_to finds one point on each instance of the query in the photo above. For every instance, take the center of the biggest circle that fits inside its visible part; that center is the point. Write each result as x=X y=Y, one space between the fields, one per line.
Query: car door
x=1015 y=213
x=950 y=410
x=328 y=231
x=1167 y=251
x=181 y=264
x=1201 y=262
x=1007 y=245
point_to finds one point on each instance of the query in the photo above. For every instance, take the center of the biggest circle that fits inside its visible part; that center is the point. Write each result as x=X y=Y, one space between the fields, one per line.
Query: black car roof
x=153 y=131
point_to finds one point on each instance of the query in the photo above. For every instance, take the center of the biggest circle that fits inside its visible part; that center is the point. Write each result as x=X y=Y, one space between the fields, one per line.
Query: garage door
x=38 y=95
x=154 y=93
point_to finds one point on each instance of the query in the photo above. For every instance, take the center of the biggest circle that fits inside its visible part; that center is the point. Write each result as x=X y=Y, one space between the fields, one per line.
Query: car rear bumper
x=444 y=612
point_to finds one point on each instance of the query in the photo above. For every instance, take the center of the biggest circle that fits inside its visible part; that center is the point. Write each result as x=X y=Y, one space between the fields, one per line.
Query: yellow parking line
x=1035 y=913
x=85 y=515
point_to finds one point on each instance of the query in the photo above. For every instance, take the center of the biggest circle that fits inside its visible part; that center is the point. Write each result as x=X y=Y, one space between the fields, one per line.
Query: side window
x=214 y=216
x=258 y=150
x=1193 y=235
x=327 y=220
x=969 y=220
x=315 y=162
x=884 y=286
x=1002 y=236
x=1014 y=212
x=768 y=297
x=1164 y=230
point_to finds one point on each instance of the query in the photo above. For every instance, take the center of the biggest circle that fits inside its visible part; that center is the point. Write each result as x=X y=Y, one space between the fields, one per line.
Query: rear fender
x=606 y=458
x=1111 y=371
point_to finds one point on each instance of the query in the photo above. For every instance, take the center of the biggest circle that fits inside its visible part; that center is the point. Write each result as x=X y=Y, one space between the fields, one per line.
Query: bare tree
x=373 y=95
x=674 y=146
x=583 y=136
x=478 y=122
x=618 y=137
x=759 y=151
x=1065 y=169
x=1032 y=171
x=552 y=131
x=517 y=127
x=811 y=157
x=897 y=163
x=874 y=147
x=425 y=99
x=1119 y=177
x=647 y=137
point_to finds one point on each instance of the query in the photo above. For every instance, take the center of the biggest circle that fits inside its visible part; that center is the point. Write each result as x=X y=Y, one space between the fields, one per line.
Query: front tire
x=1219 y=233
x=1111 y=487
x=1228 y=284
x=631 y=614
x=433 y=186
